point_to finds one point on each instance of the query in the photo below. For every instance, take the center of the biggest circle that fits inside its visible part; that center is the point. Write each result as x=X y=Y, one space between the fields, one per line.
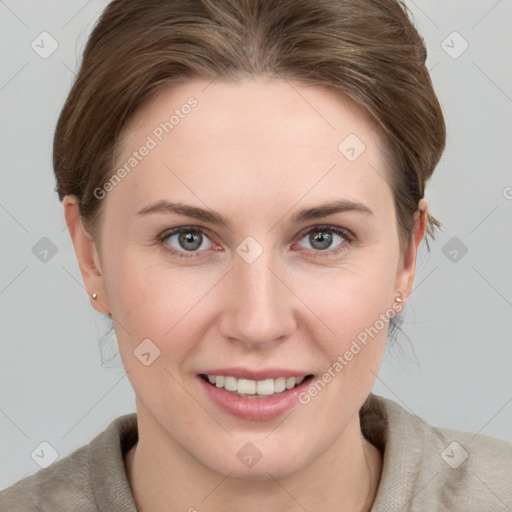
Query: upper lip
x=261 y=374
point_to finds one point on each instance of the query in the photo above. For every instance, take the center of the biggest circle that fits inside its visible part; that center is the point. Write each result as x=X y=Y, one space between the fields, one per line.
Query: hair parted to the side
x=366 y=49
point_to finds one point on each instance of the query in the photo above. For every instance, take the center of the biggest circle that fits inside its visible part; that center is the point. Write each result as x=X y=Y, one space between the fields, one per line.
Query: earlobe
x=86 y=253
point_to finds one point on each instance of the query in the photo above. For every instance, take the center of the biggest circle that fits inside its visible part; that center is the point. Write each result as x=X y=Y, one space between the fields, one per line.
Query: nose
x=259 y=306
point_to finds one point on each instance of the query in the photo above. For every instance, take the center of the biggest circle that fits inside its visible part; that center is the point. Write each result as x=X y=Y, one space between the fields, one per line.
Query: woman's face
x=286 y=263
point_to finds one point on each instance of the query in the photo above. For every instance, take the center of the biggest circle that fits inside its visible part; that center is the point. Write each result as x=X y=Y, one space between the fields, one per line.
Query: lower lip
x=254 y=409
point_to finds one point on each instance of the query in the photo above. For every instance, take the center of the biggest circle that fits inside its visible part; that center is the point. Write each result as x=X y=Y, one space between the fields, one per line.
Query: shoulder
x=427 y=467
x=61 y=486
x=72 y=482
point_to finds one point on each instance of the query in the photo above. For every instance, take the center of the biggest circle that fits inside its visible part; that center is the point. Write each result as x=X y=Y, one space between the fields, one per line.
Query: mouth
x=255 y=389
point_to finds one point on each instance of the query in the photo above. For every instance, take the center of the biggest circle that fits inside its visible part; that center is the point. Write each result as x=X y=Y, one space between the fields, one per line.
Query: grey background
x=456 y=371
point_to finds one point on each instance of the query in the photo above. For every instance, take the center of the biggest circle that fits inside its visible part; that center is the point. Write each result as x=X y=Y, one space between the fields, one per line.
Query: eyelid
x=180 y=229
x=344 y=232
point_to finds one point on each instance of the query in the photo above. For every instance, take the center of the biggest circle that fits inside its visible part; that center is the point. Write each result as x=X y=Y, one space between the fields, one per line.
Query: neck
x=163 y=476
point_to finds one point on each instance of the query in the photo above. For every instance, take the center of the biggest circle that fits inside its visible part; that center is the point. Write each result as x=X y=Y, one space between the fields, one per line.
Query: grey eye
x=188 y=240
x=321 y=239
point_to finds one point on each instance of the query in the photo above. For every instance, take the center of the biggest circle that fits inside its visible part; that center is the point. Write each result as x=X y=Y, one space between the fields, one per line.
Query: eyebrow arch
x=323 y=210
x=195 y=212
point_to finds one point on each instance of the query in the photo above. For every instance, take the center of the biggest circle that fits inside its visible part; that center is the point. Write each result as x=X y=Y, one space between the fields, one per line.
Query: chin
x=249 y=463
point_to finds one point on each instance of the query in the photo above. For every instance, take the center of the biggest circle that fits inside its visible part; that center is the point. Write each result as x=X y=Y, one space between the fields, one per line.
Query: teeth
x=280 y=384
x=231 y=384
x=247 y=387
x=254 y=387
x=265 y=387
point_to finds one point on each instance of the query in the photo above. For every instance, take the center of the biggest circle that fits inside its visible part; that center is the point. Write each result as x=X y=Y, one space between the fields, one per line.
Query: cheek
x=153 y=300
x=352 y=298
x=151 y=294
x=151 y=304
x=352 y=308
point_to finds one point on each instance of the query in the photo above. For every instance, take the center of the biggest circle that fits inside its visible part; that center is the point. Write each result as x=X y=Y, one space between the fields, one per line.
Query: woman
x=243 y=183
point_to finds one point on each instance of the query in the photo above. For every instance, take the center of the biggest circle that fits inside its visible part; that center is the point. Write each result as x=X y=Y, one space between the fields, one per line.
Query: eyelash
x=347 y=236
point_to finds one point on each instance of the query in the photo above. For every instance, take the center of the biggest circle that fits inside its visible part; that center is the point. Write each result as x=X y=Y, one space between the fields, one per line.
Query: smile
x=251 y=399
x=254 y=388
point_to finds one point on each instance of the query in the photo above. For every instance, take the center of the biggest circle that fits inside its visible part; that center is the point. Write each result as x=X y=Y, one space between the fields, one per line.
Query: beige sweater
x=424 y=469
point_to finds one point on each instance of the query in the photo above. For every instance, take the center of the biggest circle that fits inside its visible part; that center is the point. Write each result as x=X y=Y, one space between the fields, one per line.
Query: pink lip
x=246 y=373
x=253 y=409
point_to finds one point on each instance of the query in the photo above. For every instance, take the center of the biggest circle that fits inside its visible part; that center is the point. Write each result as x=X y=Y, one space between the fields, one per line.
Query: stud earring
x=398 y=299
x=94 y=296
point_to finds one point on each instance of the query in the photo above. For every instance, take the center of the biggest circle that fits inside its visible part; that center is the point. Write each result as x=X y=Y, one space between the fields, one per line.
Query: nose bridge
x=260 y=309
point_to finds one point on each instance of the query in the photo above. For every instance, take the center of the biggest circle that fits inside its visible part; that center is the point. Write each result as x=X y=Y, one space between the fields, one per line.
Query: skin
x=257 y=152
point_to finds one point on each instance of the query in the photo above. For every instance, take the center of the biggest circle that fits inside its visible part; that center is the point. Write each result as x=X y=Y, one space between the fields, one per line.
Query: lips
x=254 y=399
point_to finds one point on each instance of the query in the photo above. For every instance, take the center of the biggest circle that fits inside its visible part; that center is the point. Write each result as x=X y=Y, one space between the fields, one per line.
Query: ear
x=407 y=266
x=87 y=255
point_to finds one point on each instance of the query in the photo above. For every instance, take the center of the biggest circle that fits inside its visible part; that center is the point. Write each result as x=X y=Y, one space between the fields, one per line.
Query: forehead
x=239 y=111
x=261 y=134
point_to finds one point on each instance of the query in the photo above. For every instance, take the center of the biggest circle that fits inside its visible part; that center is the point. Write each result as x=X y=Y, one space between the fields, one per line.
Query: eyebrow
x=205 y=215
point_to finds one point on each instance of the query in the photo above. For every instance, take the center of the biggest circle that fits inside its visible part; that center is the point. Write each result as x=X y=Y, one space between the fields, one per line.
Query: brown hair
x=367 y=49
